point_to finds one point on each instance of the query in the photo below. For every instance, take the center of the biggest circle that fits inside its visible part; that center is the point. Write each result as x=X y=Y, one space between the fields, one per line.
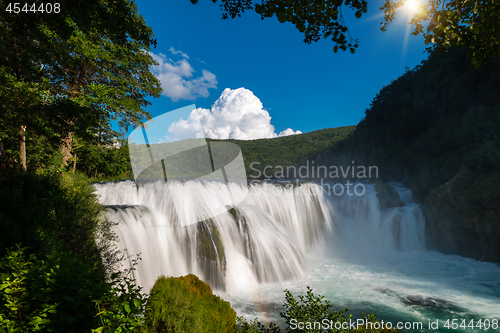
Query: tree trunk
x=74 y=163
x=66 y=146
x=22 y=145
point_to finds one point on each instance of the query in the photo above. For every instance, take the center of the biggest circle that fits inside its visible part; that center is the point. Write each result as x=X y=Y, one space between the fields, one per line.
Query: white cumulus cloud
x=237 y=114
x=289 y=131
x=177 y=79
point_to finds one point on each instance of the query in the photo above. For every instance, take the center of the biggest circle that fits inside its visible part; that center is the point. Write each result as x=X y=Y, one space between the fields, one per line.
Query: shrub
x=59 y=283
x=49 y=293
x=48 y=211
x=65 y=292
x=254 y=326
x=122 y=308
x=310 y=308
x=187 y=304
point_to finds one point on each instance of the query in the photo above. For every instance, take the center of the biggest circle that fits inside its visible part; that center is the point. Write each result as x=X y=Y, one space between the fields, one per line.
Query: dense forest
x=112 y=161
x=291 y=150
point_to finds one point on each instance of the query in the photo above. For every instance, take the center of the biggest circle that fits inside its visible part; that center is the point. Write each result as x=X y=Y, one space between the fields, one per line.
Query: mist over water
x=287 y=236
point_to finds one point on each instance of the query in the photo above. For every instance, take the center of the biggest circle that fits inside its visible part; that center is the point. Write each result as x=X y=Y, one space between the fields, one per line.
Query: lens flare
x=412 y=5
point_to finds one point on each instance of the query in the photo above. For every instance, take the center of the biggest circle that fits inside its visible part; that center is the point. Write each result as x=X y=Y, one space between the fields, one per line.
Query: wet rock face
x=210 y=253
x=116 y=208
x=424 y=301
x=463 y=216
x=388 y=196
x=437 y=304
x=246 y=238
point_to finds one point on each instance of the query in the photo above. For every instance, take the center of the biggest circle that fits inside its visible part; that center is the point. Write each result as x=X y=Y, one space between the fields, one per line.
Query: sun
x=412 y=5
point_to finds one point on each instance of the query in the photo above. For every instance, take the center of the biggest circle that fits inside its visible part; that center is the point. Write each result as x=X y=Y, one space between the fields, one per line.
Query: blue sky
x=302 y=87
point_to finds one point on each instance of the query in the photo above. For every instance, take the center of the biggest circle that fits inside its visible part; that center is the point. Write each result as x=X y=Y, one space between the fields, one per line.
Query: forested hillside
x=290 y=150
x=434 y=120
x=437 y=128
x=113 y=162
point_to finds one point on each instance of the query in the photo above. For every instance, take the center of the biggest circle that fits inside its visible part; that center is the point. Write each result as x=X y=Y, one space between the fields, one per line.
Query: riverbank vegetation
x=57 y=257
x=187 y=304
x=105 y=162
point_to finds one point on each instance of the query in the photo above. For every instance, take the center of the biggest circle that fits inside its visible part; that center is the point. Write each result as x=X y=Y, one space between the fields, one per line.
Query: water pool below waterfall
x=411 y=287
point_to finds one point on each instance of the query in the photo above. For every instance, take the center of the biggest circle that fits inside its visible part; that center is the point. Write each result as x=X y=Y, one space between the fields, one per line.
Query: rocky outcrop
x=463 y=216
x=246 y=239
x=202 y=243
x=388 y=196
x=211 y=257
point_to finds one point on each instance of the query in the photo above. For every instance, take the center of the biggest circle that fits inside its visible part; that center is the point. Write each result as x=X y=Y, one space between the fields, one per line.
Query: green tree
x=75 y=72
x=445 y=23
x=314 y=18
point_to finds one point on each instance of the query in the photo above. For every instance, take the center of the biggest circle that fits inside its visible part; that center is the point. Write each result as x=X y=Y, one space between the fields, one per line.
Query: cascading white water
x=263 y=239
x=291 y=236
x=365 y=227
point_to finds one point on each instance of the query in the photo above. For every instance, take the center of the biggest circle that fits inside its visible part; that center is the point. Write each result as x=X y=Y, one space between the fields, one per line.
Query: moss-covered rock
x=187 y=304
x=388 y=196
x=232 y=211
x=463 y=216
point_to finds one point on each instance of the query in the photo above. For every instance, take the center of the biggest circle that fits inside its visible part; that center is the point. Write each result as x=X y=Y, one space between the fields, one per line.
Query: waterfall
x=181 y=229
x=365 y=227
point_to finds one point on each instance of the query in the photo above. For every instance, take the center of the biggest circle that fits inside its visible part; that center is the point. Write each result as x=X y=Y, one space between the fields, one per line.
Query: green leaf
x=281 y=17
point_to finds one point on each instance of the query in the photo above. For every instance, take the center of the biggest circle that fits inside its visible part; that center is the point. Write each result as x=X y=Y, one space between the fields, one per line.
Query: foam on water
x=412 y=286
